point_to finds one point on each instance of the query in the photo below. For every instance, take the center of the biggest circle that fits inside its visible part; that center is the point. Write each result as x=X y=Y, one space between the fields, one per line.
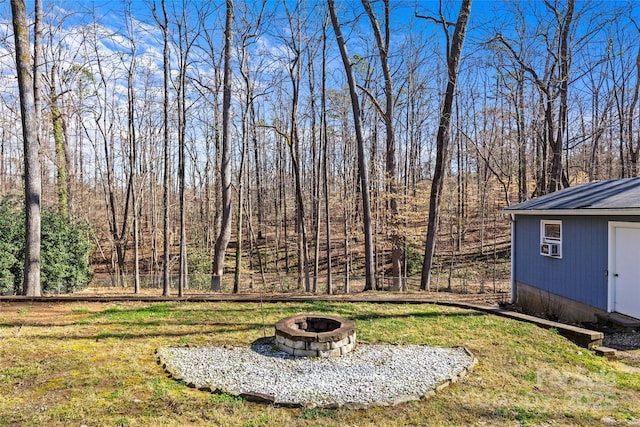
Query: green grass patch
x=115 y=394
x=218 y=398
x=526 y=416
x=107 y=335
x=629 y=381
x=502 y=412
x=316 y=413
x=260 y=421
x=16 y=373
x=132 y=315
x=96 y=365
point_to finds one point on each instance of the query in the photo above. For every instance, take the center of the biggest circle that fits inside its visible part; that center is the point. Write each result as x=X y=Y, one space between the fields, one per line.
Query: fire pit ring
x=312 y=335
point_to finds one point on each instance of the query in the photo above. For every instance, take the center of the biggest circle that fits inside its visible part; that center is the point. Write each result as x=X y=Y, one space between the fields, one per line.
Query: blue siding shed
x=581 y=273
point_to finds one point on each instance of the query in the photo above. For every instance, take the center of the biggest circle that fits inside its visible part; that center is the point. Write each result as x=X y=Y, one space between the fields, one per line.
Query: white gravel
x=369 y=375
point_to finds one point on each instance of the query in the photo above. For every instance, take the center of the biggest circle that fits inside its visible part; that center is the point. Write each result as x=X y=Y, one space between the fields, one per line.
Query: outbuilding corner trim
x=574 y=212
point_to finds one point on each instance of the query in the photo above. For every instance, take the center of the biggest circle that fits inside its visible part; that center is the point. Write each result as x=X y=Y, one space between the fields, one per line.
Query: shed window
x=551 y=238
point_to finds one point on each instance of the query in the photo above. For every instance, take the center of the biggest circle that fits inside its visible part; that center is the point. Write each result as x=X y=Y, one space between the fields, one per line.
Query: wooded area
x=314 y=140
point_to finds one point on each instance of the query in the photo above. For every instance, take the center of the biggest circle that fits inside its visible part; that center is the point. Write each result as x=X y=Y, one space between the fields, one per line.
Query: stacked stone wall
x=294 y=337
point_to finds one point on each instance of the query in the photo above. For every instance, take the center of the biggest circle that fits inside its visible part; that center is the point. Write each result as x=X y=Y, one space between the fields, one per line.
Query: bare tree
x=133 y=154
x=33 y=184
x=454 y=51
x=59 y=143
x=166 y=188
x=38 y=62
x=620 y=70
x=633 y=145
x=363 y=170
x=164 y=25
x=209 y=86
x=247 y=35
x=325 y=155
x=391 y=178
x=293 y=142
x=185 y=44
x=225 y=172
x=553 y=87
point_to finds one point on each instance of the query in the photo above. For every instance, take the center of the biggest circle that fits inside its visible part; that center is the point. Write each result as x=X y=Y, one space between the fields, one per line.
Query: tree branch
x=373 y=99
x=520 y=62
x=436 y=21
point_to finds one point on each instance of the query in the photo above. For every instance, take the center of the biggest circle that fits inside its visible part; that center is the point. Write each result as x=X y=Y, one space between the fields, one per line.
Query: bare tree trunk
x=303 y=246
x=33 y=184
x=38 y=58
x=631 y=146
x=316 y=165
x=553 y=86
x=183 y=47
x=119 y=236
x=281 y=210
x=225 y=171
x=133 y=165
x=522 y=139
x=58 y=139
x=166 y=188
x=154 y=268
x=362 y=159
x=247 y=113
x=239 y=215
x=454 y=50
x=325 y=151
x=391 y=178
x=541 y=152
x=293 y=141
x=556 y=181
x=259 y=188
x=207 y=191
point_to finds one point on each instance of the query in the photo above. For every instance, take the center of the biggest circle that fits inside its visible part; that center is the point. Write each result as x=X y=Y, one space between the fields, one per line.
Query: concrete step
x=618 y=320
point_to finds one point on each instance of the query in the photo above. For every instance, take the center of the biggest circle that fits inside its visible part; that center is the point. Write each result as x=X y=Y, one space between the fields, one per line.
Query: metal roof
x=614 y=197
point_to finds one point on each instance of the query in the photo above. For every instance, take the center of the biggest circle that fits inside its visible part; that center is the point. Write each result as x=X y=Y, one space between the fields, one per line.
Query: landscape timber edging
x=583 y=337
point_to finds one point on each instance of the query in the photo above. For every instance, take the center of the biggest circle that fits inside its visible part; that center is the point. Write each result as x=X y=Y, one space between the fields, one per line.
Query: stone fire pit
x=310 y=335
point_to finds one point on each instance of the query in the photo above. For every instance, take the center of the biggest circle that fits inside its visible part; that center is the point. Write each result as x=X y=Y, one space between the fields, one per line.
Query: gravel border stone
x=370 y=375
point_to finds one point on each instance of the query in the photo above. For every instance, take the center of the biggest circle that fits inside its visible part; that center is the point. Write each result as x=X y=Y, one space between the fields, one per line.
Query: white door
x=626 y=272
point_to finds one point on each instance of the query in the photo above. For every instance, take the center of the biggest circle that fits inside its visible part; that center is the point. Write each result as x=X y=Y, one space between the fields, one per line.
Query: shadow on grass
x=143 y=335
x=143 y=332
x=171 y=310
x=157 y=320
x=166 y=315
x=424 y=315
x=468 y=412
x=136 y=318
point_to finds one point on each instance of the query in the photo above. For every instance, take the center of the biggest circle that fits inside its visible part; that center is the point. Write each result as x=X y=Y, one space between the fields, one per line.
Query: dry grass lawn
x=93 y=364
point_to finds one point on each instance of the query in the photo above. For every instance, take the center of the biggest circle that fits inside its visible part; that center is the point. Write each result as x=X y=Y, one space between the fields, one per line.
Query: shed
x=576 y=252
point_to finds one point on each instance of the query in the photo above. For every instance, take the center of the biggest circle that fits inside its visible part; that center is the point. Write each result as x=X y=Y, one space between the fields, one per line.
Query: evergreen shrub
x=64 y=250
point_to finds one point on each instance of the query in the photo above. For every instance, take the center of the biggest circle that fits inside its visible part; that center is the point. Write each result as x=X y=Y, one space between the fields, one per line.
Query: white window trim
x=547 y=240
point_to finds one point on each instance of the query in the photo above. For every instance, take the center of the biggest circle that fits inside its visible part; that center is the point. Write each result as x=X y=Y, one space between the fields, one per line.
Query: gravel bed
x=622 y=340
x=370 y=375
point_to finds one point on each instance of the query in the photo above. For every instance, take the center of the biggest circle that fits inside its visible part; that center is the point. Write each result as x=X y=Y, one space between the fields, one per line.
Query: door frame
x=611 y=291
